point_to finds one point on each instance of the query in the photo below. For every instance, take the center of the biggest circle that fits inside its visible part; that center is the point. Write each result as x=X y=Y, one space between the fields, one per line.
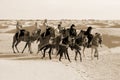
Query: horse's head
x=36 y=32
x=52 y=31
x=98 y=37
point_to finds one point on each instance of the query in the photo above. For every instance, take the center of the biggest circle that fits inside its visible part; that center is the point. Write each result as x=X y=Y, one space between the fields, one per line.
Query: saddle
x=22 y=32
x=43 y=35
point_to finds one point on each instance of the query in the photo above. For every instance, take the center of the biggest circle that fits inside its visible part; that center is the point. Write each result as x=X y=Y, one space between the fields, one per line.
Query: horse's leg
x=66 y=51
x=16 y=45
x=29 y=46
x=92 y=53
x=50 y=52
x=75 y=55
x=44 y=53
x=40 y=49
x=96 y=50
x=65 y=55
x=83 y=51
x=61 y=54
x=24 y=47
x=80 y=55
x=39 y=45
x=51 y=46
x=13 y=44
x=58 y=51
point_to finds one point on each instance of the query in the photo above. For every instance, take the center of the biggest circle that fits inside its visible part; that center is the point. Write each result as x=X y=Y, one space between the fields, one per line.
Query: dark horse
x=44 y=39
x=25 y=36
x=60 y=48
x=63 y=48
x=79 y=40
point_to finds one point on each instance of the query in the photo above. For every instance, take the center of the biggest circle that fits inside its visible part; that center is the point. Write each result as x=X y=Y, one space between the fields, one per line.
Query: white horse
x=95 y=43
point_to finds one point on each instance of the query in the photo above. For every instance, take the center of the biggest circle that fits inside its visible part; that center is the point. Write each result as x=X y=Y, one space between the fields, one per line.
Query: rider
x=72 y=31
x=19 y=29
x=89 y=36
x=44 y=27
x=58 y=29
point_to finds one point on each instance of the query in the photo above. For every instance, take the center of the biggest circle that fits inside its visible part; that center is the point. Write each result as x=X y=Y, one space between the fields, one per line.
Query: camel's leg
x=24 y=47
x=16 y=45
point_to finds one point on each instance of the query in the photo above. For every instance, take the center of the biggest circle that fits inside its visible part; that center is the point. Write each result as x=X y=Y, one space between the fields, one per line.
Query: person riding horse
x=43 y=27
x=72 y=31
x=19 y=29
x=89 y=35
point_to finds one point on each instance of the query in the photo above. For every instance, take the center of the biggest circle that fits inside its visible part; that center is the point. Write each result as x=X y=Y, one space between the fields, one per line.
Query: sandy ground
x=31 y=67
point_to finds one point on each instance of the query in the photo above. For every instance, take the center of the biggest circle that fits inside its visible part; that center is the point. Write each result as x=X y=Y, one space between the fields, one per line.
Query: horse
x=79 y=40
x=24 y=35
x=44 y=39
x=63 y=48
x=57 y=45
x=95 y=43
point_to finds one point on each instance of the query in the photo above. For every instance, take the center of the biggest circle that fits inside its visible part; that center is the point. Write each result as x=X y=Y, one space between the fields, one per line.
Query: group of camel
x=49 y=40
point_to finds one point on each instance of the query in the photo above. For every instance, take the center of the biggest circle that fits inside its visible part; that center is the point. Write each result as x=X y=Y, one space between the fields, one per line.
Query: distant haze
x=60 y=9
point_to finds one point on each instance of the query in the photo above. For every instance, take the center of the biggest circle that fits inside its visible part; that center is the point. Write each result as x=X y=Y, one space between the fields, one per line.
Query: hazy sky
x=60 y=9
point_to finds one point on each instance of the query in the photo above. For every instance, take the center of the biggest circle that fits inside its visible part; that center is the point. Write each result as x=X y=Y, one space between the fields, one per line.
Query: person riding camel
x=89 y=36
